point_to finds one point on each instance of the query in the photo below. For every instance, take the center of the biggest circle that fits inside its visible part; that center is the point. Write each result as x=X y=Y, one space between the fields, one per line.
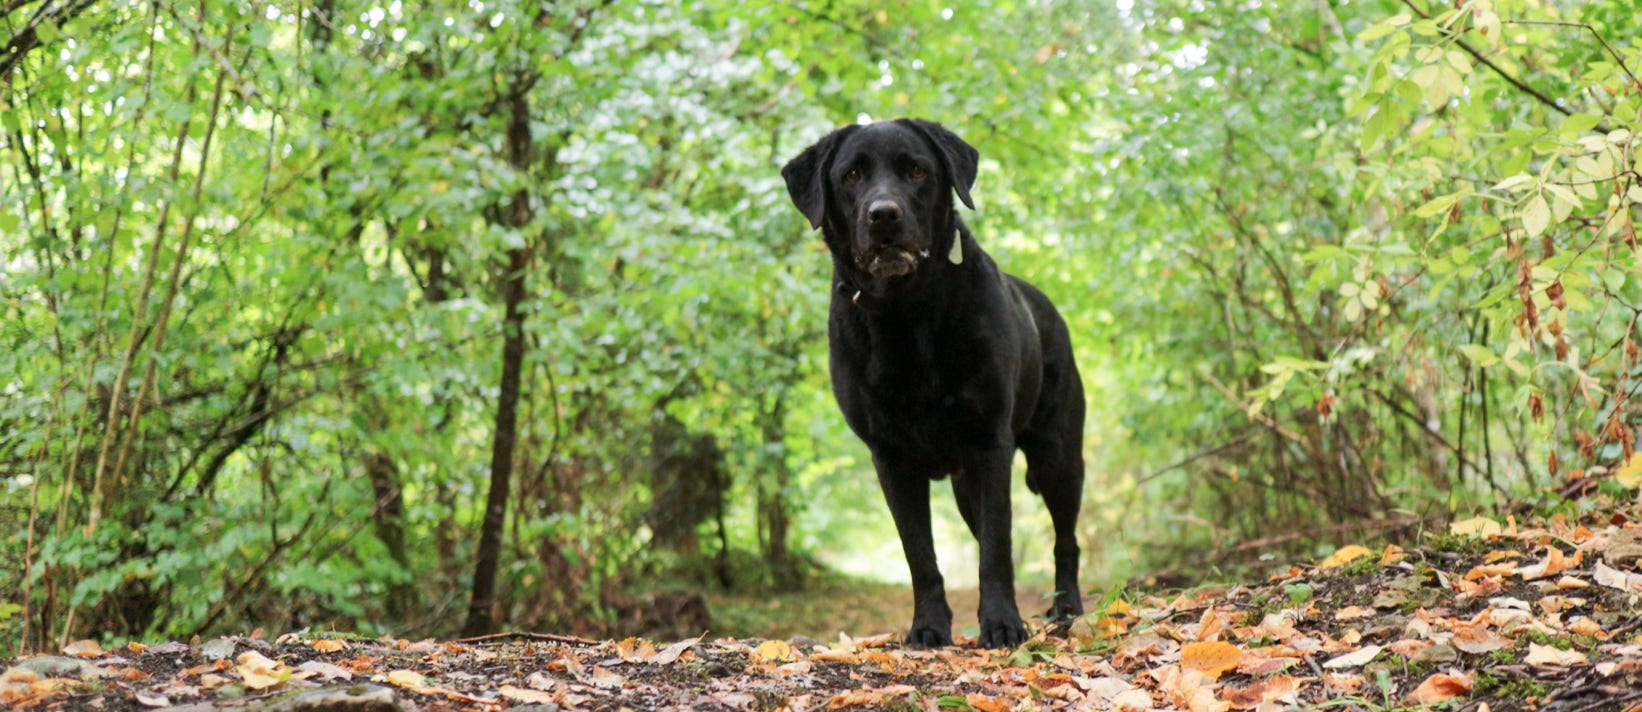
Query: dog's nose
x=883 y=211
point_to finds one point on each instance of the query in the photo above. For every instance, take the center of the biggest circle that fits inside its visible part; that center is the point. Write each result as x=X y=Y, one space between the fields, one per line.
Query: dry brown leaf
x=1391 y=555
x=1555 y=563
x=525 y=695
x=672 y=652
x=1408 y=647
x=1211 y=658
x=1547 y=655
x=835 y=656
x=1486 y=570
x=1568 y=583
x=1350 y=613
x=1345 y=555
x=1614 y=578
x=1267 y=690
x=1477 y=640
x=1132 y=700
x=84 y=649
x=1588 y=628
x=605 y=678
x=986 y=703
x=328 y=646
x=1440 y=687
x=1210 y=625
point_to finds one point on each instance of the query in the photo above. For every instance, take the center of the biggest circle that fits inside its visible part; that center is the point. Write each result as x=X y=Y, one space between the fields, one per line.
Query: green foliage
x=1321 y=263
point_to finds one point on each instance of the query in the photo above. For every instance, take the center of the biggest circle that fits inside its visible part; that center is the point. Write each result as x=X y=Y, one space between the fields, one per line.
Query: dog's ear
x=957 y=156
x=806 y=176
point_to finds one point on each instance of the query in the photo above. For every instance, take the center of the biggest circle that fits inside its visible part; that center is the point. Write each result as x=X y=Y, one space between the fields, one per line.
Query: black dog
x=942 y=363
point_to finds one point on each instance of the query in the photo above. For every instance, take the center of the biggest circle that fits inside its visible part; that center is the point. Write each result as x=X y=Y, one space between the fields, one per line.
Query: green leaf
x=1580 y=123
x=1479 y=355
x=47 y=31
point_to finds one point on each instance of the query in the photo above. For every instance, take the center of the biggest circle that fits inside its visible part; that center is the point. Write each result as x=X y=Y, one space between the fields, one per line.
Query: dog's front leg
x=988 y=498
x=906 y=490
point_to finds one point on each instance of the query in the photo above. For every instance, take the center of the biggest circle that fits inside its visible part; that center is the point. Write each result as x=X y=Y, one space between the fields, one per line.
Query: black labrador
x=941 y=363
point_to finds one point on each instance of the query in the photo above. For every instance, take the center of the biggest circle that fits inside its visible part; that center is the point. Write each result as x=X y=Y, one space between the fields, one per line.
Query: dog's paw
x=1003 y=633
x=1065 y=609
x=929 y=636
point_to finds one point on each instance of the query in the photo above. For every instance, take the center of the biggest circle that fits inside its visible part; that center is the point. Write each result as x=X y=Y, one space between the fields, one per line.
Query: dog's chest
x=912 y=388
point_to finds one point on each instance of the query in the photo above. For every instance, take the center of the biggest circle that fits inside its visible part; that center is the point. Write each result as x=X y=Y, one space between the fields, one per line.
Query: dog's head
x=883 y=192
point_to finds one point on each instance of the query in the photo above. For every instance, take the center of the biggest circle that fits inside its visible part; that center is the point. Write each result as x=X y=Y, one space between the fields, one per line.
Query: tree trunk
x=520 y=150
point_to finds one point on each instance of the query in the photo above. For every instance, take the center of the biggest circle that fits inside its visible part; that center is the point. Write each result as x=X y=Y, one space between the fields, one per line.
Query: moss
x=1362 y=567
x=1488 y=684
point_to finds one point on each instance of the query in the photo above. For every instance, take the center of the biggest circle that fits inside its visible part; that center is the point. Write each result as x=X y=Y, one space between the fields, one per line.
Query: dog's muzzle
x=891 y=260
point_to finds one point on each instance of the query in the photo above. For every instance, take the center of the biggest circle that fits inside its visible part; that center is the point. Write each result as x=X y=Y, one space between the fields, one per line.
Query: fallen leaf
x=605 y=678
x=328 y=646
x=773 y=651
x=1438 y=688
x=1614 y=578
x=322 y=670
x=525 y=696
x=1477 y=640
x=84 y=649
x=1361 y=657
x=835 y=656
x=1628 y=474
x=1132 y=700
x=1555 y=563
x=1588 y=628
x=261 y=678
x=1211 y=658
x=986 y=703
x=151 y=699
x=1350 y=613
x=259 y=672
x=1568 y=582
x=1345 y=555
x=672 y=652
x=1547 y=655
x=1392 y=555
x=1267 y=690
x=1476 y=526
x=409 y=679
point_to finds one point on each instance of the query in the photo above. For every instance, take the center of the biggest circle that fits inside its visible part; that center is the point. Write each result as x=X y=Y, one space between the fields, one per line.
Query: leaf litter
x=1495 y=615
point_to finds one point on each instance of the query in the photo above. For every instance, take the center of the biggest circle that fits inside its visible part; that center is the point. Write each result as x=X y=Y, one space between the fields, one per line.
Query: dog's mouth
x=892 y=261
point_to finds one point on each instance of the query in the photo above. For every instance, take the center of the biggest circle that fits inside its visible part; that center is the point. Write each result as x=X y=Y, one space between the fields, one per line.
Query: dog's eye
x=917 y=173
x=853 y=176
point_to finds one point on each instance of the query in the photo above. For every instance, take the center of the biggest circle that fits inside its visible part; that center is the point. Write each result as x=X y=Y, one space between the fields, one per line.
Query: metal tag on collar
x=957 y=254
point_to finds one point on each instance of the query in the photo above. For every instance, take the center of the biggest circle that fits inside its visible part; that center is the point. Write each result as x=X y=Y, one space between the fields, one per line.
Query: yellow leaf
x=408 y=678
x=1476 y=526
x=1212 y=658
x=259 y=672
x=1345 y=555
x=1630 y=473
x=773 y=651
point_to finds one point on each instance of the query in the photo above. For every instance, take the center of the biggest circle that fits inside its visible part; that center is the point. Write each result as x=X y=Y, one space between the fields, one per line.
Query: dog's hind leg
x=1055 y=471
